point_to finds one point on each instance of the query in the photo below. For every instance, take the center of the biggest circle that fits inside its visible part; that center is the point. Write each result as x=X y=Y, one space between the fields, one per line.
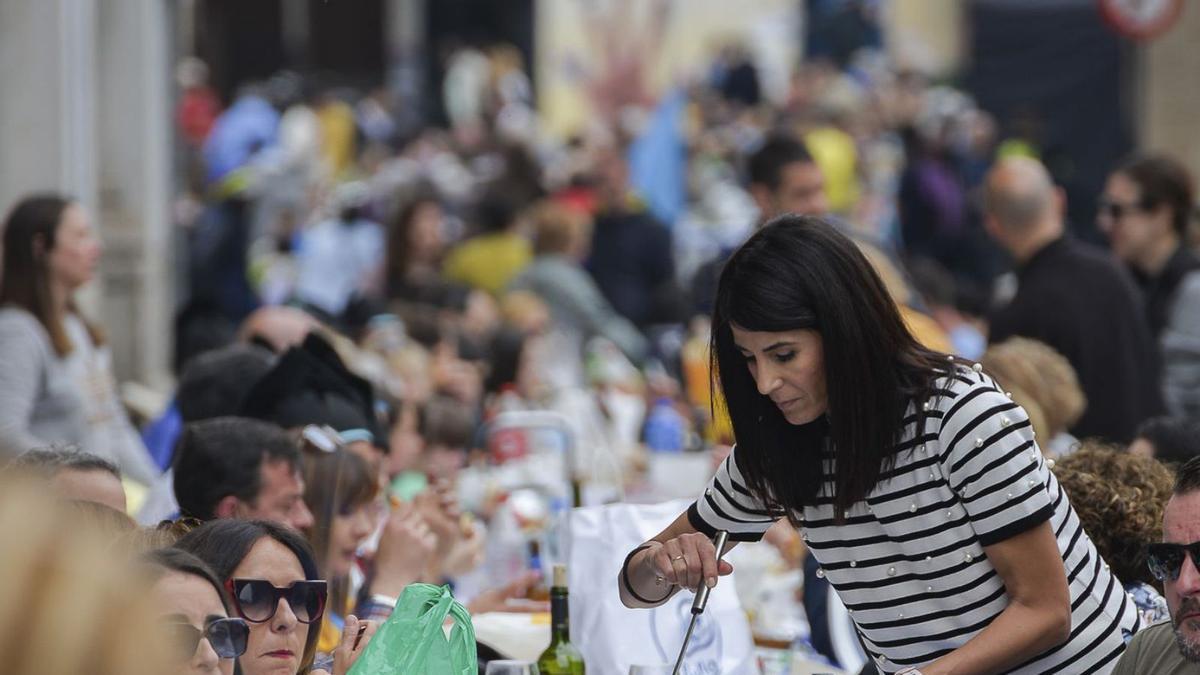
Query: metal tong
x=701 y=600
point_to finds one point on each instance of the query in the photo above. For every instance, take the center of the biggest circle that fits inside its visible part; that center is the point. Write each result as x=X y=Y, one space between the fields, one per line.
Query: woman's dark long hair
x=399 y=242
x=335 y=483
x=798 y=272
x=30 y=232
x=223 y=544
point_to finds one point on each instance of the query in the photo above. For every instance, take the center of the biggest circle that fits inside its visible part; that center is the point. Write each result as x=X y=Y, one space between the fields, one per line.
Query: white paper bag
x=612 y=637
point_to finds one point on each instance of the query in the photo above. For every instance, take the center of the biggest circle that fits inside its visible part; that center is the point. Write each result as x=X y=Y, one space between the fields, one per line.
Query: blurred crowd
x=404 y=351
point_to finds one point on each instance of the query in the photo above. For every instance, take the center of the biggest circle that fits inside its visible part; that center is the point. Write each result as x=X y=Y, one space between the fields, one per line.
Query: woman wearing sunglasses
x=272 y=577
x=195 y=610
x=340 y=490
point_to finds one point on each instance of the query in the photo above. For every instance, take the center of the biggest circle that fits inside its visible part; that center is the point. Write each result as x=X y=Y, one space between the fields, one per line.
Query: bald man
x=1074 y=297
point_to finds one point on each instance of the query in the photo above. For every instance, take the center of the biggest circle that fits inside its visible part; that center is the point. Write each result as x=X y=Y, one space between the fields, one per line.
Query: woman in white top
x=914 y=479
x=56 y=383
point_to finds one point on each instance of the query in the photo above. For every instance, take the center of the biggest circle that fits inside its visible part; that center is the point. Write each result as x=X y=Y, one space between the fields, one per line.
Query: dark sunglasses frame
x=1118 y=210
x=291 y=593
x=229 y=644
x=1165 y=560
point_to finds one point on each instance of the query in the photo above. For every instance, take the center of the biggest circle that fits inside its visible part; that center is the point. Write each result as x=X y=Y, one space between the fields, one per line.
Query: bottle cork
x=560 y=576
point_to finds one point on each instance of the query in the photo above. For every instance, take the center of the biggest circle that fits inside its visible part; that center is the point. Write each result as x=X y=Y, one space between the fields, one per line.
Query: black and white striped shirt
x=909 y=563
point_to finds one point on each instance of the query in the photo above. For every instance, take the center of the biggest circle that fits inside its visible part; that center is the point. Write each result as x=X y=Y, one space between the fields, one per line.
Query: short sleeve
x=728 y=504
x=991 y=460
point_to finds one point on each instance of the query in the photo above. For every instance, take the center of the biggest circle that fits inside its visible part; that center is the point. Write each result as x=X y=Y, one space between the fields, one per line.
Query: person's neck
x=1156 y=256
x=1041 y=236
x=60 y=297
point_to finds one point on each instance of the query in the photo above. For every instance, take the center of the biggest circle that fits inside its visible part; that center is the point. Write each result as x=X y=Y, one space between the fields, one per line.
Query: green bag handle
x=405 y=640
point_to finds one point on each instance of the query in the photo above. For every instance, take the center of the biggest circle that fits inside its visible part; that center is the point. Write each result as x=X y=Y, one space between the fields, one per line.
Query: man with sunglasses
x=1147 y=211
x=1173 y=648
x=1075 y=298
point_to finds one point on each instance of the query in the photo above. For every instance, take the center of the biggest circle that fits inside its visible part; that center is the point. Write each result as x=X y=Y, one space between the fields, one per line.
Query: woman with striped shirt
x=916 y=482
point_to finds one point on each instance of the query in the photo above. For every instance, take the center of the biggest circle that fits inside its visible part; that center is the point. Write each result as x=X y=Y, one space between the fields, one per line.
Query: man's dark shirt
x=1159 y=291
x=1080 y=301
x=632 y=264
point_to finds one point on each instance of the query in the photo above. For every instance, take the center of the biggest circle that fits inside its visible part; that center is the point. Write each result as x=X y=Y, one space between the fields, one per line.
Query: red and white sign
x=1141 y=19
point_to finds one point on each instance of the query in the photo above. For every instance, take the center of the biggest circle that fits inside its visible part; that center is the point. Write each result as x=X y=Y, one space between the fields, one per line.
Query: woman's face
x=188 y=599
x=76 y=249
x=346 y=535
x=789 y=368
x=425 y=237
x=275 y=646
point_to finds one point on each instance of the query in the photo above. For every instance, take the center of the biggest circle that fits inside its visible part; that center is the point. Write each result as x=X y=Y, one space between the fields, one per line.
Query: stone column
x=47 y=76
x=134 y=117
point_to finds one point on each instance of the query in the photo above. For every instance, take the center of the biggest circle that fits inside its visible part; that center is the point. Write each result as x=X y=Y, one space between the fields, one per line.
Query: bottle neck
x=560 y=616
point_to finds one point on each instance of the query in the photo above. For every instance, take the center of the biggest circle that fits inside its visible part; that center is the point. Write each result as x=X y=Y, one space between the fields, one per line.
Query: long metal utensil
x=701 y=600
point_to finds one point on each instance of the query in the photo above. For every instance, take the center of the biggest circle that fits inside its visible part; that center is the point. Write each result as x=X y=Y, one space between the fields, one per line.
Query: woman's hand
x=498 y=599
x=687 y=560
x=353 y=643
x=678 y=555
x=439 y=509
x=404 y=550
x=467 y=554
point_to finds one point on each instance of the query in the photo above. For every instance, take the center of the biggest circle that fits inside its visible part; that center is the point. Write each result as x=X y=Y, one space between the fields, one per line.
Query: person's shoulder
x=961 y=377
x=16 y=321
x=1096 y=259
x=1154 y=639
x=1189 y=285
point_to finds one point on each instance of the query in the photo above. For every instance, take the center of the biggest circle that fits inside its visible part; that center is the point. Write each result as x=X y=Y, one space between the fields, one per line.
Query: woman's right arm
x=677 y=557
x=20 y=365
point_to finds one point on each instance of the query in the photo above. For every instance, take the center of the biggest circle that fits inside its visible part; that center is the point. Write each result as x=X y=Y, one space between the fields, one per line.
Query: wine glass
x=511 y=668
x=663 y=669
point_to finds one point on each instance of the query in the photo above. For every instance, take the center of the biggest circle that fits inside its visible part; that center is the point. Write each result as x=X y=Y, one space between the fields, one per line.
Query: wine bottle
x=561 y=657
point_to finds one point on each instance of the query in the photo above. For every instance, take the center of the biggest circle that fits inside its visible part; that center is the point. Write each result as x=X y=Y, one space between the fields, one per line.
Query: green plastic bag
x=412 y=640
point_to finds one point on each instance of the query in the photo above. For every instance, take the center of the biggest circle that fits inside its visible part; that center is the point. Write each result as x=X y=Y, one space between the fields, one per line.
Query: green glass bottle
x=561 y=657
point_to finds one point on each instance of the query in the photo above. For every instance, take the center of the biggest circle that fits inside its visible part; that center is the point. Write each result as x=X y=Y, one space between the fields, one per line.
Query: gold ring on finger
x=677 y=558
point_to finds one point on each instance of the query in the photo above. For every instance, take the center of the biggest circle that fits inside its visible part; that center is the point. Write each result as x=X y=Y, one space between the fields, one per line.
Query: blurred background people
x=56 y=382
x=1147 y=210
x=1074 y=298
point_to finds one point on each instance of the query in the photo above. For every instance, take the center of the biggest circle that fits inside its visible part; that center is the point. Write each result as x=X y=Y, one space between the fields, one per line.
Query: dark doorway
x=1054 y=73
x=240 y=41
x=347 y=39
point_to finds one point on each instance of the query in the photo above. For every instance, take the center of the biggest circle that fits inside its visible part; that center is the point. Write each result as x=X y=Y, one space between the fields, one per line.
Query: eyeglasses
x=227 y=637
x=1117 y=210
x=1165 y=560
x=257 y=599
x=321 y=438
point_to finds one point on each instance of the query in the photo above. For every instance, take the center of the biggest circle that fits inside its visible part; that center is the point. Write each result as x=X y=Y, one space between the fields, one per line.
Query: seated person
x=1173 y=648
x=193 y=604
x=232 y=467
x=265 y=564
x=212 y=384
x=1170 y=440
x=77 y=475
x=1119 y=498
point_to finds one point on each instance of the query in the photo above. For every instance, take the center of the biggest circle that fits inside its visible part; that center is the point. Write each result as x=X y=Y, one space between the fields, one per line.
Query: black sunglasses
x=1165 y=560
x=257 y=599
x=227 y=637
x=1117 y=210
